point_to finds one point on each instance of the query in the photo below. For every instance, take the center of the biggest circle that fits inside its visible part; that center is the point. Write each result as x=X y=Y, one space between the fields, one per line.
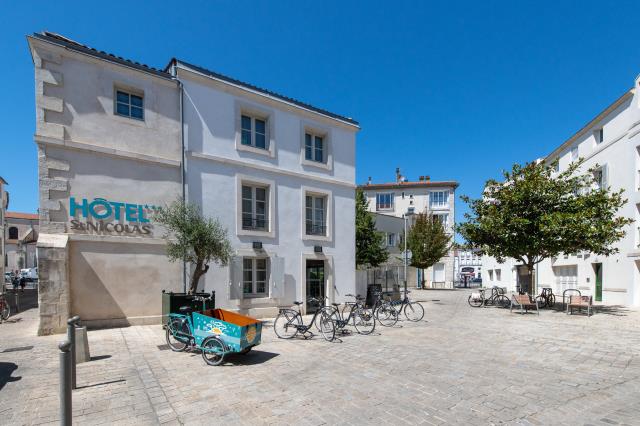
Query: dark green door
x=597 y=269
x=315 y=284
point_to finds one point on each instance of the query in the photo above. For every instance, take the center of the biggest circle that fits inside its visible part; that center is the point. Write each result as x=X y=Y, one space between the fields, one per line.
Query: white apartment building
x=422 y=196
x=610 y=140
x=118 y=139
x=4 y=203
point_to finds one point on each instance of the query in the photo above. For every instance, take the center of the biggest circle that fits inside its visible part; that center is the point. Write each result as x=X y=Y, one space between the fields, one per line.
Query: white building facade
x=610 y=141
x=468 y=263
x=422 y=196
x=117 y=140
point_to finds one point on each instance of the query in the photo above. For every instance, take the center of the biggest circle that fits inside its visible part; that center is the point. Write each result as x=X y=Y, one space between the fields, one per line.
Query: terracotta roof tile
x=18 y=215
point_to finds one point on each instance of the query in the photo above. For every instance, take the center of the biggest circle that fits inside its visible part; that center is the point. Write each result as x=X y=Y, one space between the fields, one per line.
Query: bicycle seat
x=336 y=304
x=297 y=303
x=185 y=309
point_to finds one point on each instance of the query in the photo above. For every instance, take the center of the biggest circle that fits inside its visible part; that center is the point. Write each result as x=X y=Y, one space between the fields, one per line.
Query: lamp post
x=406 y=254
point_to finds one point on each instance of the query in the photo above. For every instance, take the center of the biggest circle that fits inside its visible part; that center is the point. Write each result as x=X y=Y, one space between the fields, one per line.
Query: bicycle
x=546 y=298
x=386 y=314
x=289 y=323
x=413 y=311
x=5 y=310
x=363 y=318
x=497 y=298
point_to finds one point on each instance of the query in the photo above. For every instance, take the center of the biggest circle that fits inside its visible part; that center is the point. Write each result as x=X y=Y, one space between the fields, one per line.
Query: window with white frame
x=599 y=135
x=129 y=105
x=314 y=147
x=254 y=276
x=315 y=214
x=574 y=153
x=438 y=199
x=384 y=201
x=498 y=275
x=391 y=239
x=490 y=274
x=253 y=132
x=255 y=207
x=600 y=177
x=443 y=218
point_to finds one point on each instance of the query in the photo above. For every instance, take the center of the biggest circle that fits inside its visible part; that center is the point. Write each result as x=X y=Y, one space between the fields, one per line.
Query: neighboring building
x=20 y=242
x=611 y=141
x=468 y=263
x=117 y=139
x=4 y=204
x=422 y=196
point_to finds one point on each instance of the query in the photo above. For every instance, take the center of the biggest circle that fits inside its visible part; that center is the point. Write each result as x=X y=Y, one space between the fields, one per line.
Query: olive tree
x=194 y=239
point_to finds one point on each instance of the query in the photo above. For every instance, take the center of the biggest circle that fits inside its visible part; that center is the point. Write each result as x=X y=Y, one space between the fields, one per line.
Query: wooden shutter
x=235 y=279
x=276 y=278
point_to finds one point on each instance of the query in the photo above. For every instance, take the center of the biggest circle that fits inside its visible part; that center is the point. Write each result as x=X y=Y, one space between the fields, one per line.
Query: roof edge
x=425 y=184
x=629 y=93
x=264 y=92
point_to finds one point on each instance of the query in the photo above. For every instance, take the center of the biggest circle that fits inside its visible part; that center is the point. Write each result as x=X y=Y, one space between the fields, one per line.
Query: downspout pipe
x=183 y=169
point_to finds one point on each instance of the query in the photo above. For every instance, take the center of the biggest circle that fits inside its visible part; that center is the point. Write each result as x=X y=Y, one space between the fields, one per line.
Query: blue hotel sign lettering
x=101 y=215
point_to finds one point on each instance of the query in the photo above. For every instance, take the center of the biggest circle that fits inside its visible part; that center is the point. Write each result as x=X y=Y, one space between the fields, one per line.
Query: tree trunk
x=531 y=271
x=199 y=271
x=423 y=282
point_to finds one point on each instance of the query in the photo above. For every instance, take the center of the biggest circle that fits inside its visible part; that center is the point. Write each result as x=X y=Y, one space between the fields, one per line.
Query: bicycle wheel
x=213 y=351
x=475 y=302
x=327 y=327
x=331 y=311
x=286 y=324
x=414 y=311
x=364 y=321
x=503 y=301
x=5 y=311
x=551 y=301
x=387 y=315
x=346 y=309
x=177 y=343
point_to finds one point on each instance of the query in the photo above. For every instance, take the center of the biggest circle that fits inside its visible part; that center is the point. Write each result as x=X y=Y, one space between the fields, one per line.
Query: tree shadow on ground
x=6 y=371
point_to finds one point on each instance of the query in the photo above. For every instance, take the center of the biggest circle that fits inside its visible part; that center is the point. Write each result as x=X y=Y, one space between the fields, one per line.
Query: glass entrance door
x=315 y=284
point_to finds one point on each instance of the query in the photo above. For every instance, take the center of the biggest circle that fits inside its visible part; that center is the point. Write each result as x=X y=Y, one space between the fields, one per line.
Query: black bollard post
x=65 y=383
x=71 y=337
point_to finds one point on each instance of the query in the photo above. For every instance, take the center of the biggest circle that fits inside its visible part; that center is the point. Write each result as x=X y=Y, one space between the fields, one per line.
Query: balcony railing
x=316 y=229
x=255 y=223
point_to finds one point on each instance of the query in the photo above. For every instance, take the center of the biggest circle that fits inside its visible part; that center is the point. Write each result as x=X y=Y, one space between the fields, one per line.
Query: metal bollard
x=65 y=383
x=71 y=337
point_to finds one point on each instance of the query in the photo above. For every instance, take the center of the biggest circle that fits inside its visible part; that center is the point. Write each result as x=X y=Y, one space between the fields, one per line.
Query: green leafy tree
x=194 y=239
x=537 y=213
x=370 y=247
x=428 y=241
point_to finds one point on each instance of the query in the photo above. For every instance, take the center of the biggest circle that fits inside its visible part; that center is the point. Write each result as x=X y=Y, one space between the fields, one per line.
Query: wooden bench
x=580 y=302
x=524 y=303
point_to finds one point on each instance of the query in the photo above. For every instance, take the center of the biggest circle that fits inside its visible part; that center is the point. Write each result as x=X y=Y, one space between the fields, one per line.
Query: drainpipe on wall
x=182 y=164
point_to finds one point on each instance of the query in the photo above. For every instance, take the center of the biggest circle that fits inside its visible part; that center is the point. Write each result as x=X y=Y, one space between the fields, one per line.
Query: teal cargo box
x=238 y=332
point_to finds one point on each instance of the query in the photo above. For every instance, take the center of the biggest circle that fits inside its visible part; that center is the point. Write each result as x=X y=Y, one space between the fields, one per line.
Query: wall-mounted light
x=257 y=245
x=317 y=249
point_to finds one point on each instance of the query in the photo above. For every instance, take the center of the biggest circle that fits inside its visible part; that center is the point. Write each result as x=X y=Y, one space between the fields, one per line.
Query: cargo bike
x=215 y=332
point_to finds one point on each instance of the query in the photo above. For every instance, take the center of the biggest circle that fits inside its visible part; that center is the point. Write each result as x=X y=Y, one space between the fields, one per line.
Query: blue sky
x=453 y=90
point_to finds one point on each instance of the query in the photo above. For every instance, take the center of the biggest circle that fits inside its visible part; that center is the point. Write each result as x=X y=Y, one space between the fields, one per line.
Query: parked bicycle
x=289 y=323
x=5 y=310
x=363 y=318
x=546 y=298
x=413 y=311
x=386 y=314
x=497 y=298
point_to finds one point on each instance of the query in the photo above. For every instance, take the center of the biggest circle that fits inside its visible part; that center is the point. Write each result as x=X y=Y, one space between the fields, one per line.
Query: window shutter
x=276 y=278
x=605 y=176
x=235 y=284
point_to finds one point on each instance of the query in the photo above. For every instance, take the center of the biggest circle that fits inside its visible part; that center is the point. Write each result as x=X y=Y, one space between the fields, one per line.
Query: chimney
x=398 y=176
x=421 y=178
x=426 y=178
x=369 y=181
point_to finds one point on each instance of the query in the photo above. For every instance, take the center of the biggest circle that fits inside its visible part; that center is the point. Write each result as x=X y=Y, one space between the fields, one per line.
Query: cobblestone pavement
x=461 y=365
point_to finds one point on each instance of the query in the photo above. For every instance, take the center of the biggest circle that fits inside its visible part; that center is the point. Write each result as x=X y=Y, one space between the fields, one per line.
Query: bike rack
x=575 y=290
